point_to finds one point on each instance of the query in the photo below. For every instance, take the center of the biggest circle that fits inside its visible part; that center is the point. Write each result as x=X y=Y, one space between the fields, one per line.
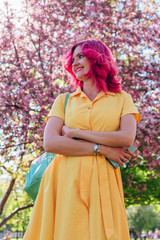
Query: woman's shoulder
x=61 y=96
x=123 y=94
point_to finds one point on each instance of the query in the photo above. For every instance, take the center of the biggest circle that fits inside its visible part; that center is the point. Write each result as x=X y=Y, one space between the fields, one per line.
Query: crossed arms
x=59 y=139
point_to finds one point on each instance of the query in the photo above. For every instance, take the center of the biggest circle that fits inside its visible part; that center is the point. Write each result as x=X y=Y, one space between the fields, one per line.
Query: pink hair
x=103 y=69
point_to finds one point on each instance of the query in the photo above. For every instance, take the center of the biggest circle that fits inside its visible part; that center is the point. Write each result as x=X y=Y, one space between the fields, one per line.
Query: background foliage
x=143 y=217
x=32 y=43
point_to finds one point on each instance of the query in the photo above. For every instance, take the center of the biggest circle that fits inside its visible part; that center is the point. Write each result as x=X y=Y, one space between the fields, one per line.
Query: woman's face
x=80 y=64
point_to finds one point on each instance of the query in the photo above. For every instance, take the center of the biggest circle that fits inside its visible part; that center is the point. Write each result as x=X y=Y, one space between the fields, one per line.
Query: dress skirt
x=80 y=198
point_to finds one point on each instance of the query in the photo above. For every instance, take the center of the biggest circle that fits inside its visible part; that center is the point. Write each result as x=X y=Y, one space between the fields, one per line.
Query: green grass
x=139 y=238
x=16 y=239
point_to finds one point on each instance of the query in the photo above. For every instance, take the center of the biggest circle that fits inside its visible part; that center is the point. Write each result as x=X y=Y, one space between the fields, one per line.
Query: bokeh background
x=34 y=35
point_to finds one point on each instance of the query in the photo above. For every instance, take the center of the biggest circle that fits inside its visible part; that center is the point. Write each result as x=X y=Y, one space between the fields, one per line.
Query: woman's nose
x=75 y=62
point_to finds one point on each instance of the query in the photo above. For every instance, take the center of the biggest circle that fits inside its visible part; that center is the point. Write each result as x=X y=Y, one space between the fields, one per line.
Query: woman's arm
x=122 y=138
x=54 y=142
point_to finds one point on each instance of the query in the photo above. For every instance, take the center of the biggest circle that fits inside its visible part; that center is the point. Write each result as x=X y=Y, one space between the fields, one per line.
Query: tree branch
x=4 y=200
x=6 y=169
x=14 y=212
x=16 y=145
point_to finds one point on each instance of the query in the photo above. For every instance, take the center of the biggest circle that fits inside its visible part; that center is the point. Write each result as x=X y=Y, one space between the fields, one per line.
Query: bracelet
x=96 y=149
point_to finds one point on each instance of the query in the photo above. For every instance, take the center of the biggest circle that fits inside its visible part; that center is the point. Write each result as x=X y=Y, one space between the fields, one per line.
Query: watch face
x=95 y=147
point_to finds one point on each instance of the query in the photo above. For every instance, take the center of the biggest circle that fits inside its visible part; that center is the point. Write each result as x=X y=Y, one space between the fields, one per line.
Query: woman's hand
x=67 y=132
x=120 y=155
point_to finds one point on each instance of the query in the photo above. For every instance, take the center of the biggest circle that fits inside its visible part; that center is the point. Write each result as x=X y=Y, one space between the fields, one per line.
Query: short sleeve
x=129 y=107
x=57 y=109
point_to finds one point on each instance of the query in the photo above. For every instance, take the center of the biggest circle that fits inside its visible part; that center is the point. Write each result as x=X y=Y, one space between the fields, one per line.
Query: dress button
x=89 y=107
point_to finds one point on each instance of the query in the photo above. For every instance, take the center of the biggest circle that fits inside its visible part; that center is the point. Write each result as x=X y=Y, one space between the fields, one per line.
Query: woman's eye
x=78 y=56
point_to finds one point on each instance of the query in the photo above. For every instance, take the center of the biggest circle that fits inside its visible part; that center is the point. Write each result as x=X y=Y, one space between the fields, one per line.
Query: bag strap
x=67 y=97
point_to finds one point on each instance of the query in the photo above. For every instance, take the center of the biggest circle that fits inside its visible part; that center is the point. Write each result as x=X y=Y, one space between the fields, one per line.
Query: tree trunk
x=4 y=200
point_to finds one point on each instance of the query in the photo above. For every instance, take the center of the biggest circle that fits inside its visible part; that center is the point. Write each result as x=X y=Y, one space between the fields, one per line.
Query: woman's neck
x=90 y=91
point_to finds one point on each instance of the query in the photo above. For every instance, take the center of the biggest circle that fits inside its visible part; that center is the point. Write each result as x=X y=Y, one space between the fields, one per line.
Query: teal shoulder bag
x=38 y=166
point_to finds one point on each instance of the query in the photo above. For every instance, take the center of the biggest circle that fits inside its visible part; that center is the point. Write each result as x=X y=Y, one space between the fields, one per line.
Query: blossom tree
x=32 y=44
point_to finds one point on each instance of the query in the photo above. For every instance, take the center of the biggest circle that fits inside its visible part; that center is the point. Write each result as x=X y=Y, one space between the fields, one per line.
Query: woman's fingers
x=125 y=156
x=120 y=162
x=67 y=132
x=130 y=153
x=124 y=159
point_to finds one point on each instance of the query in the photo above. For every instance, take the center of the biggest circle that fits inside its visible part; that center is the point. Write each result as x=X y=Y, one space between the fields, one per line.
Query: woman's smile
x=78 y=69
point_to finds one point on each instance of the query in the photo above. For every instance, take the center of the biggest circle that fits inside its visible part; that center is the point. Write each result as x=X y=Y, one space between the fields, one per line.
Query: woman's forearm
x=68 y=146
x=112 y=139
x=121 y=138
x=124 y=137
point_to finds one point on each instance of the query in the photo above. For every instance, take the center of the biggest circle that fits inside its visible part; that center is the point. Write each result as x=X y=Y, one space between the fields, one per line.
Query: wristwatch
x=96 y=149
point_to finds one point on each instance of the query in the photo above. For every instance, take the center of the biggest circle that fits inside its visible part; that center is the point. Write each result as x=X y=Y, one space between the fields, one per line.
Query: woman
x=81 y=195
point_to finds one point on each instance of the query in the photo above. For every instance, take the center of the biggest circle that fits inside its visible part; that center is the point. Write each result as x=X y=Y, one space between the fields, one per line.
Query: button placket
x=89 y=108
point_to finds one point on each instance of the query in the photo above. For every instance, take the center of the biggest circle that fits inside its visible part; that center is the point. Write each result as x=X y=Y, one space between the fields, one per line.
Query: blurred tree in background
x=32 y=43
x=142 y=218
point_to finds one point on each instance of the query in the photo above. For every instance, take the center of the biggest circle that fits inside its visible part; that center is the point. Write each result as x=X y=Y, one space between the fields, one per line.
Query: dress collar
x=82 y=94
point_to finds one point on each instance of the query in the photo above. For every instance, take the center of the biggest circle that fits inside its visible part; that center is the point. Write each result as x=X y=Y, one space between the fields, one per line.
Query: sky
x=16 y=4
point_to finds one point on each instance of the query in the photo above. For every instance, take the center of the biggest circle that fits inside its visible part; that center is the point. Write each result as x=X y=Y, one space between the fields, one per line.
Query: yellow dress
x=81 y=198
